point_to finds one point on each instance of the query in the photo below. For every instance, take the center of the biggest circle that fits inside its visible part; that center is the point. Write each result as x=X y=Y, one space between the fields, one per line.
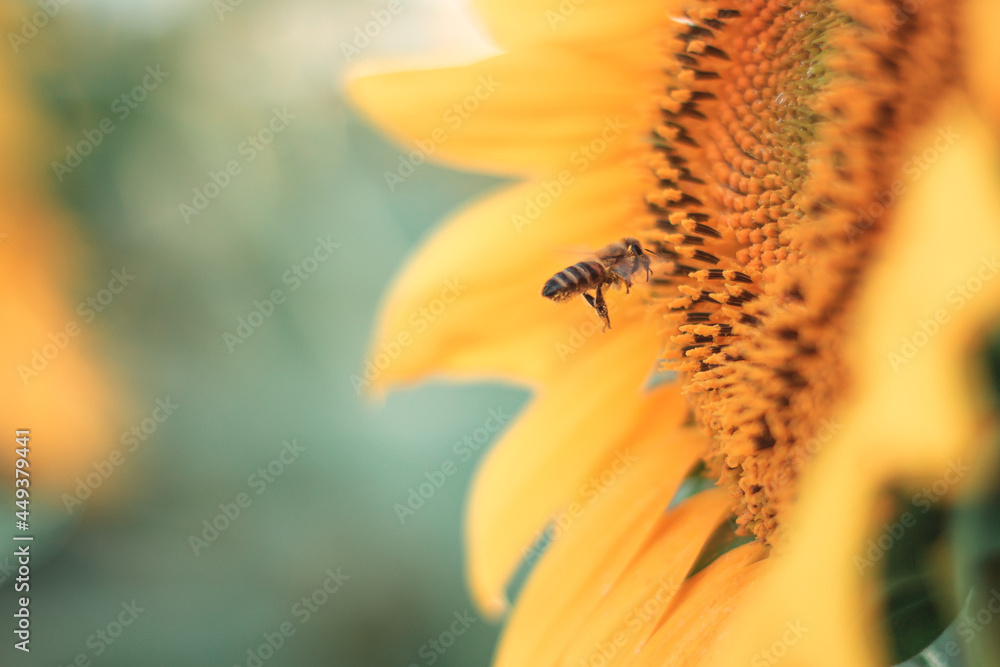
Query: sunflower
x=819 y=181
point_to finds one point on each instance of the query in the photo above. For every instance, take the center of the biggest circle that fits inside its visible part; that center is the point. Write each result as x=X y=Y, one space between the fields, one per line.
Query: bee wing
x=573 y=254
x=625 y=267
x=573 y=250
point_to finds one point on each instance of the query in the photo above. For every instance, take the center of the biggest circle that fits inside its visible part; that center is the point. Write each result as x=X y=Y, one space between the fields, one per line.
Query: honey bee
x=614 y=264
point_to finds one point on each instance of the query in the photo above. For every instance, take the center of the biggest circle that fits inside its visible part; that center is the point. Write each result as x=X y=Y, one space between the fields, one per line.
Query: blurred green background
x=223 y=68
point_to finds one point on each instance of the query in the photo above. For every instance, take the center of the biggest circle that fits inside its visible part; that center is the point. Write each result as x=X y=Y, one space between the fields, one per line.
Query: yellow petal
x=519 y=23
x=542 y=463
x=635 y=606
x=468 y=304
x=527 y=112
x=586 y=562
x=909 y=418
x=697 y=628
x=982 y=53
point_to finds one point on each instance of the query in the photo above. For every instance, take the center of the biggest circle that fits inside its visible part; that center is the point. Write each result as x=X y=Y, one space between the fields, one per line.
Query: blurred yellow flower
x=52 y=387
x=820 y=177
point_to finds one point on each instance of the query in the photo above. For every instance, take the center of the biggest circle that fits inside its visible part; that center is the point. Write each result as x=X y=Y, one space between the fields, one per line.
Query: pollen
x=779 y=123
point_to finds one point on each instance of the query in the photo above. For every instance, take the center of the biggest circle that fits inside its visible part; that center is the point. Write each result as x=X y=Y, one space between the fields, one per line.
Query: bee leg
x=643 y=263
x=601 y=306
x=622 y=280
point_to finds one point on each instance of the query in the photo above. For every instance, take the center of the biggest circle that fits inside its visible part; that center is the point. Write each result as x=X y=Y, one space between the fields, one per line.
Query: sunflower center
x=783 y=123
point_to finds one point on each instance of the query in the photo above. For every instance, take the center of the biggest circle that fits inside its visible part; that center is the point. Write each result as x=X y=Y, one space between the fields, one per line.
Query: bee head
x=633 y=246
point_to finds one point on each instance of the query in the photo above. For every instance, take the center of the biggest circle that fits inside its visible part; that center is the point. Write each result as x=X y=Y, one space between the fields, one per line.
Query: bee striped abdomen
x=573 y=280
